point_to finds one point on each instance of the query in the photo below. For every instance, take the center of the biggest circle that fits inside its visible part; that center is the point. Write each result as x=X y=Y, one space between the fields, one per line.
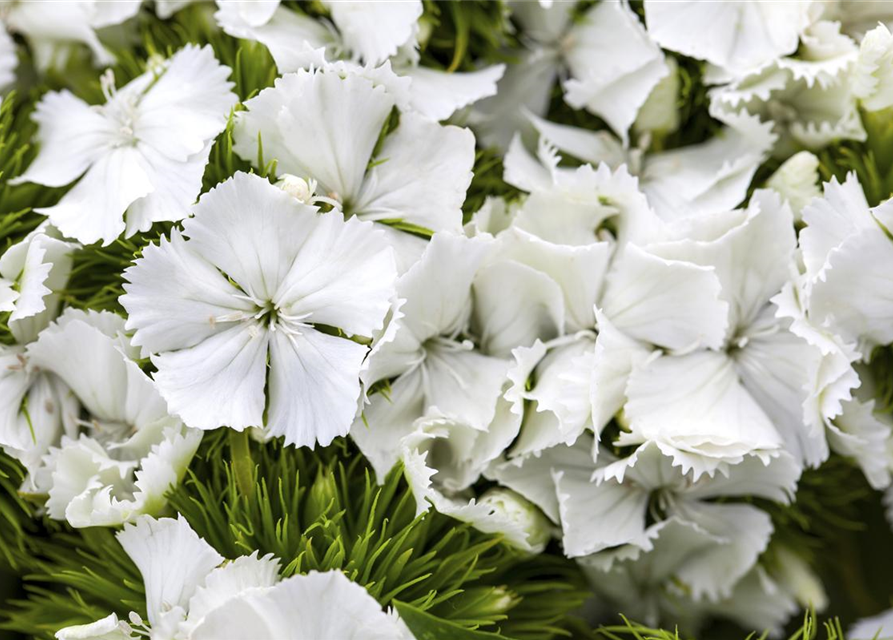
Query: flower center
x=269 y=315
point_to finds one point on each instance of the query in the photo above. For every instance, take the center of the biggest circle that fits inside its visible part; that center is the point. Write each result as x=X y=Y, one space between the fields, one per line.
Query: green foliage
x=426 y=627
x=15 y=514
x=73 y=577
x=810 y=629
x=315 y=510
x=487 y=182
x=465 y=34
x=323 y=510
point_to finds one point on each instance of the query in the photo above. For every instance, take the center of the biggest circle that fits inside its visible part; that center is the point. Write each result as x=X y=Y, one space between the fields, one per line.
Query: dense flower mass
x=606 y=286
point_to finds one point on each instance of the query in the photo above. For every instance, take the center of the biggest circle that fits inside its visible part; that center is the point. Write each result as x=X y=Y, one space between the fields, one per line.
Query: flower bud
x=797 y=181
x=297 y=187
x=872 y=79
x=507 y=505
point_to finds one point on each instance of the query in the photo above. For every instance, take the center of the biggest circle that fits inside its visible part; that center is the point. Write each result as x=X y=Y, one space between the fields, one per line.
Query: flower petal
x=695 y=404
x=411 y=184
x=613 y=64
x=314 y=386
x=174 y=298
x=437 y=94
x=314 y=604
x=343 y=275
x=72 y=136
x=668 y=303
x=94 y=209
x=319 y=125
x=395 y=24
x=187 y=106
x=172 y=559
x=387 y=419
x=219 y=381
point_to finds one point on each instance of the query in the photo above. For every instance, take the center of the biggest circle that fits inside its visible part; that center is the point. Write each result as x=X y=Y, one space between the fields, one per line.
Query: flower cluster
x=629 y=354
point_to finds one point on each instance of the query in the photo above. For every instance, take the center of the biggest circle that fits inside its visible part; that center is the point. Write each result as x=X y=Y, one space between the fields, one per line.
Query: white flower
x=605 y=508
x=51 y=28
x=846 y=242
x=797 y=181
x=425 y=354
x=707 y=177
x=32 y=273
x=873 y=75
x=443 y=457
x=191 y=594
x=325 y=124
x=808 y=98
x=319 y=604
x=746 y=394
x=878 y=626
x=131 y=451
x=736 y=36
x=139 y=158
x=254 y=278
x=611 y=65
x=370 y=32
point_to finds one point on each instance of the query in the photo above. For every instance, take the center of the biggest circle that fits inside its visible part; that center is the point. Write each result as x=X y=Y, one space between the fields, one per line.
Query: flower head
x=259 y=280
x=140 y=157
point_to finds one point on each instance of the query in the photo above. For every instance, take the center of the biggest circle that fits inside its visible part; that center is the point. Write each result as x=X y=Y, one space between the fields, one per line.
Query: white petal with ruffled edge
x=737 y=36
x=187 y=106
x=744 y=531
x=597 y=516
x=244 y=575
x=314 y=386
x=408 y=183
x=437 y=94
x=613 y=65
x=751 y=250
x=695 y=408
x=304 y=607
x=92 y=364
x=319 y=125
x=669 y=303
x=172 y=559
x=108 y=628
x=34 y=269
x=375 y=31
x=219 y=381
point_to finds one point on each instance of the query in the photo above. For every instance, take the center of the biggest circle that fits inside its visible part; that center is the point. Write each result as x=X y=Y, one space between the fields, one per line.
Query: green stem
x=243 y=465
